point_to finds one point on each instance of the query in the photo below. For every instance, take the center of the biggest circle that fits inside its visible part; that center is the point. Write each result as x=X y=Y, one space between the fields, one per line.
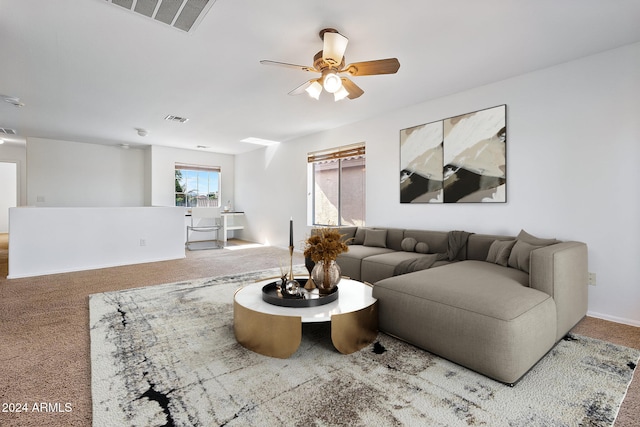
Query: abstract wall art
x=461 y=159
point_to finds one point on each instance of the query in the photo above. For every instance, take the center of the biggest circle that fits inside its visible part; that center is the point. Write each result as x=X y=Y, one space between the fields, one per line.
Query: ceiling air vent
x=7 y=131
x=184 y=15
x=177 y=119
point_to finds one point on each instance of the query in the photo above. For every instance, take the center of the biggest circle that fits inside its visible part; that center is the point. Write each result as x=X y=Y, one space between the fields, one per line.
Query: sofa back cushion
x=347 y=233
x=394 y=238
x=438 y=241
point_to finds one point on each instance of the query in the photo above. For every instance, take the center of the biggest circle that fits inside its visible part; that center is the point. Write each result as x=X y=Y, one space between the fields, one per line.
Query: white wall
x=63 y=173
x=163 y=161
x=572 y=169
x=81 y=176
x=271 y=186
x=58 y=240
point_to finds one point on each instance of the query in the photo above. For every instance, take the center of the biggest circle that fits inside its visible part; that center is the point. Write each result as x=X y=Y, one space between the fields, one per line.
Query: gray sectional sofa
x=495 y=304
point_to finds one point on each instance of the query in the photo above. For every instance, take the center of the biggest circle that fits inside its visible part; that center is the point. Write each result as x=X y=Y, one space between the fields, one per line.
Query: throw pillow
x=347 y=233
x=536 y=241
x=377 y=238
x=499 y=252
x=408 y=244
x=422 y=247
x=521 y=252
x=358 y=239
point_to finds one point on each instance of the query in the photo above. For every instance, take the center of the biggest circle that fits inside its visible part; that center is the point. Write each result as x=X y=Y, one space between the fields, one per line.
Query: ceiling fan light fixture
x=334 y=46
x=331 y=82
x=314 y=90
x=342 y=93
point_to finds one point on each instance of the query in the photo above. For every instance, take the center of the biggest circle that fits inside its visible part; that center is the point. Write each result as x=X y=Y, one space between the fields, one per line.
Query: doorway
x=8 y=192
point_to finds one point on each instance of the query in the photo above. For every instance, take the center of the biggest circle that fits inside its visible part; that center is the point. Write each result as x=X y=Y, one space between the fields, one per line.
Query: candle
x=291 y=232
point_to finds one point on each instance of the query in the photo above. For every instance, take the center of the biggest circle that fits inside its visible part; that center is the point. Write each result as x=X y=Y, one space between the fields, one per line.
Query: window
x=197 y=185
x=337 y=179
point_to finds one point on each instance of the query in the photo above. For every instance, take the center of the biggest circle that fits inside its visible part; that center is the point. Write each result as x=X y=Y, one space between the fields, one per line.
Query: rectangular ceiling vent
x=177 y=119
x=184 y=15
x=7 y=131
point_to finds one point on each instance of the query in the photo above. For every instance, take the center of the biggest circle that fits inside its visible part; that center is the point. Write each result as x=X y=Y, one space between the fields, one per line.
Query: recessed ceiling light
x=259 y=141
x=176 y=119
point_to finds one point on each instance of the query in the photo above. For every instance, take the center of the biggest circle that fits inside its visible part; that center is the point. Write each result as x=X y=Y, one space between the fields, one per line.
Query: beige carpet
x=44 y=330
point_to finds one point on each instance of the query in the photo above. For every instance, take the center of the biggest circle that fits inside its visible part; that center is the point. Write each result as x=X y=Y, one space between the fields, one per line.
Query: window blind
x=185 y=166
x=348 y=151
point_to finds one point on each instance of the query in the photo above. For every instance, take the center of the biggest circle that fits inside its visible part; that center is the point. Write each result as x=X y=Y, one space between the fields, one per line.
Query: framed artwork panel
x=421 y=157
x=461 y=159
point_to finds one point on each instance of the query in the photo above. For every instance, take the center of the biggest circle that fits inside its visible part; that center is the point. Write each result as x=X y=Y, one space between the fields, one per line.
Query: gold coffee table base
x=351 y=332
x=263 y=328
x=267 y=334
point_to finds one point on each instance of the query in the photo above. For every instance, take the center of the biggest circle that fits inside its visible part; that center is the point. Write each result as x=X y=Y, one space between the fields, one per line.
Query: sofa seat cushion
x=361 y=251
x=478 y=314
x=350 y=262
x=378 y=267
x=474 y=286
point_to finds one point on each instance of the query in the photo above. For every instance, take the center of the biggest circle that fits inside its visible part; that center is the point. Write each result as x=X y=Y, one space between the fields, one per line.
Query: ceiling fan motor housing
x=320 y=64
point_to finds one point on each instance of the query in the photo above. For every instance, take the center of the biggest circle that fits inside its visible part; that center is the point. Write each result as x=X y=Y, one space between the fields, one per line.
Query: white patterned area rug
x=166 y=355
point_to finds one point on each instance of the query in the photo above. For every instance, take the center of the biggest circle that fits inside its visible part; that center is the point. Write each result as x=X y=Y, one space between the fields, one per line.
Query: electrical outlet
x=143 y=242
x=592 y=279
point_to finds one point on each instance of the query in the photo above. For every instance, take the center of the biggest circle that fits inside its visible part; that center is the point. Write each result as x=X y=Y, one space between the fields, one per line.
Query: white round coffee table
x=276 y=331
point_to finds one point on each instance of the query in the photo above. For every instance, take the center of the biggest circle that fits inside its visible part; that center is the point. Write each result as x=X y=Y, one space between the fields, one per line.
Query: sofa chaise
x=494 y=304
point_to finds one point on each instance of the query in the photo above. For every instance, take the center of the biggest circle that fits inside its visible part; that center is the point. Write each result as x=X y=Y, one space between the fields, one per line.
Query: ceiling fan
x=330 y=63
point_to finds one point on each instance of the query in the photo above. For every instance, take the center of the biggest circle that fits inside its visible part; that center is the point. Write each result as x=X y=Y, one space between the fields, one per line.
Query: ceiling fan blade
x=334 y=45
x=302 y=88
x=369 y=68
x=284 y=64
x=353 y=89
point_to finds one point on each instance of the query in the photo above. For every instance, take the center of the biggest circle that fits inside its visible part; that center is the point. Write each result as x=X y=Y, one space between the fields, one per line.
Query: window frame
x=198 y=168
x=339 y=153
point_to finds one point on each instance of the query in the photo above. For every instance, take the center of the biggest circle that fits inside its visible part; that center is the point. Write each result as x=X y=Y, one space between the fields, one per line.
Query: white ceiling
x=91 y=71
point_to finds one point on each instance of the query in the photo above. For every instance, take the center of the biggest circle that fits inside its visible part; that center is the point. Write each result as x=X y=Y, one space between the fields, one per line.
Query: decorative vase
x=326 y=276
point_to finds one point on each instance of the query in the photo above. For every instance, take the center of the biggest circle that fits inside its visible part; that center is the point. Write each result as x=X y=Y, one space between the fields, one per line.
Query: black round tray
x=310 y=299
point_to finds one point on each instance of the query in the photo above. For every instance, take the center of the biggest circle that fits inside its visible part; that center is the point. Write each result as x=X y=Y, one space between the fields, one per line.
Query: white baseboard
x=615 y=319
